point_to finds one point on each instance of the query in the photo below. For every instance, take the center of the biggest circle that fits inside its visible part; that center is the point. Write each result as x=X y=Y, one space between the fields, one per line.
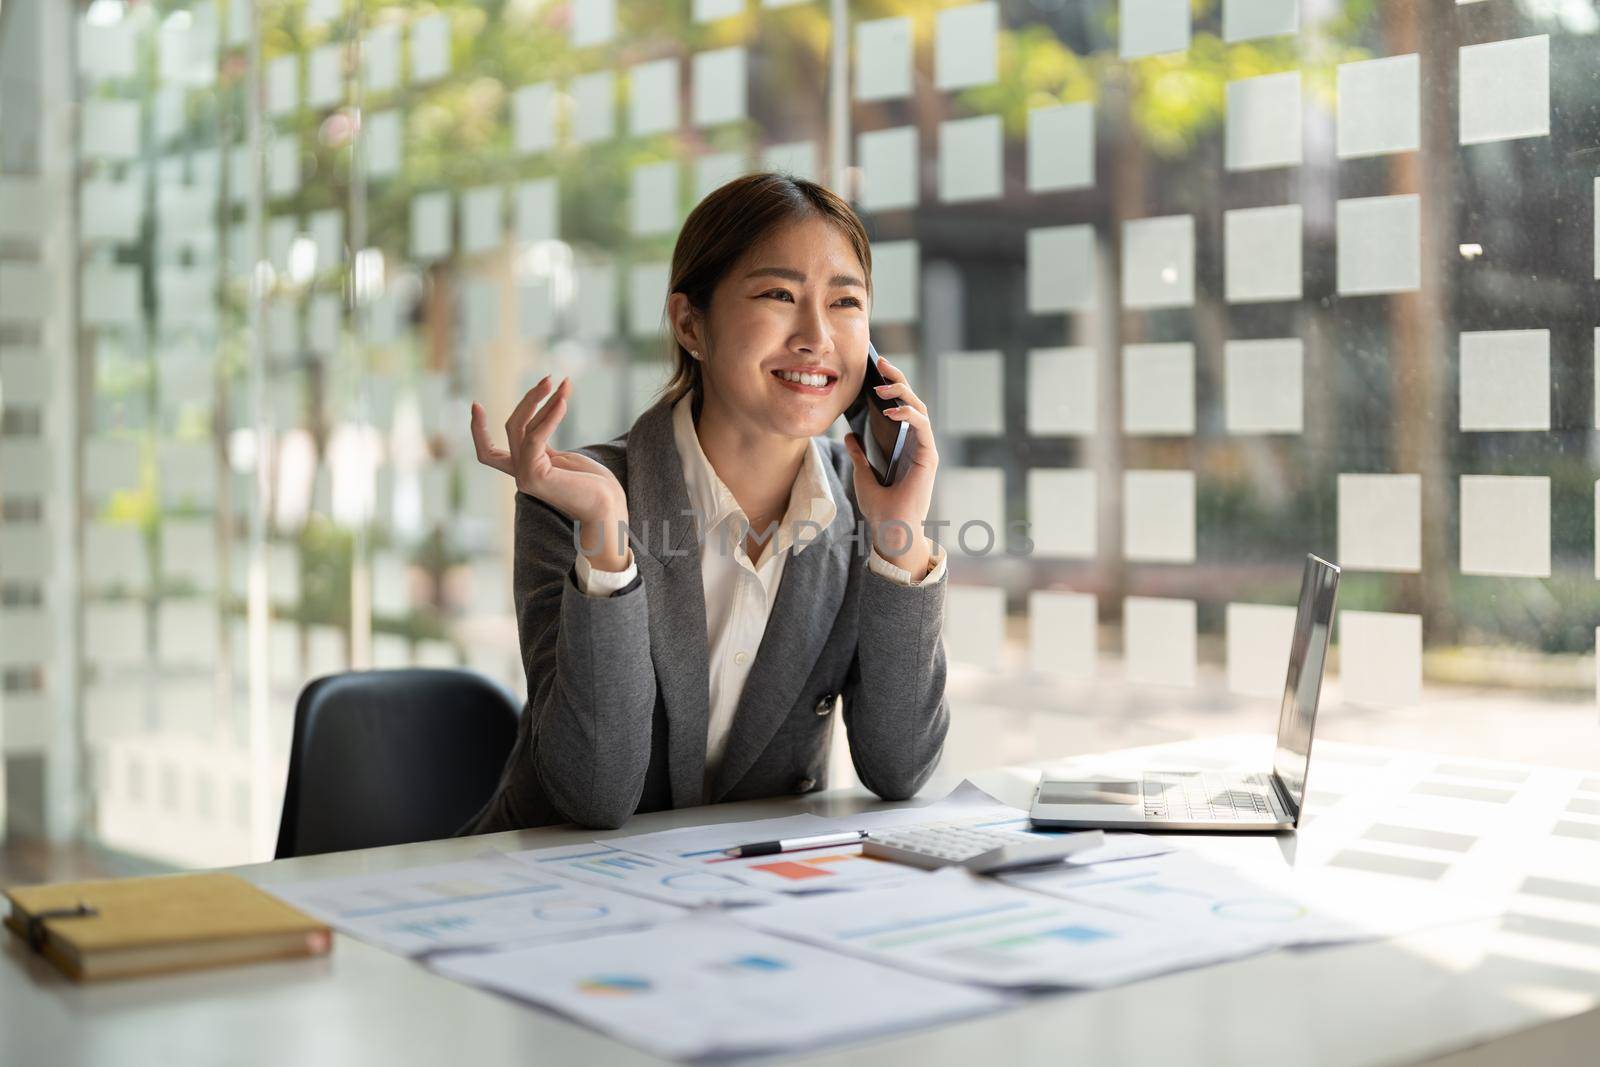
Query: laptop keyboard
x=1194 y=796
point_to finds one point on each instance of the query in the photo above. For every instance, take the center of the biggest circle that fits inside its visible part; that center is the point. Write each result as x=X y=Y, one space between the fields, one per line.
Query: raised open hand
x=578 y=486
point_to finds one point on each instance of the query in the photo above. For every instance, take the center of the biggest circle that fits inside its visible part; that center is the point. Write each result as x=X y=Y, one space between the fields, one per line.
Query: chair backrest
x=392 y=756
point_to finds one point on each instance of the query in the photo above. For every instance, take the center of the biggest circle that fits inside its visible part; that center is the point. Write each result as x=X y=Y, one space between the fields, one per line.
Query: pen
x=794 y=844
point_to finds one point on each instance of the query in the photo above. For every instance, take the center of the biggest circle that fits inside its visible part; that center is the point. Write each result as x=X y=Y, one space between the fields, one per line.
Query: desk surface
x=1524 y=834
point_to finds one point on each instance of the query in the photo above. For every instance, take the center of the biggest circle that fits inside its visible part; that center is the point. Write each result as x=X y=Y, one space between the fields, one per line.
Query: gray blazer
x=619 y=689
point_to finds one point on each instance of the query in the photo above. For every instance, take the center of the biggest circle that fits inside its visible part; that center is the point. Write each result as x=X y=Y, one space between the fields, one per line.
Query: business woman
x=739 y=571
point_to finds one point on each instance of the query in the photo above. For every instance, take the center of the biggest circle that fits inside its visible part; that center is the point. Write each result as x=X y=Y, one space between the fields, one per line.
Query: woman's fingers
x=518 y=420
x=890 y=371
x=543 y=424
x=919 y=421
x=902 y=389
x=488 y=454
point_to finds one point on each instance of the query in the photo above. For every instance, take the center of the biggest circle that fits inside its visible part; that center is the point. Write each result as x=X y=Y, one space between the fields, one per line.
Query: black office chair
x=392 y=756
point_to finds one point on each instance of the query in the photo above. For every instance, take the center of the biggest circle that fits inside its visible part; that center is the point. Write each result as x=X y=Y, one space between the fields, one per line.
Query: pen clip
x=34 y=931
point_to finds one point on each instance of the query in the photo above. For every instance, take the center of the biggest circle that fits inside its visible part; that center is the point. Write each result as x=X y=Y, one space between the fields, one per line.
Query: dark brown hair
x=728 y=223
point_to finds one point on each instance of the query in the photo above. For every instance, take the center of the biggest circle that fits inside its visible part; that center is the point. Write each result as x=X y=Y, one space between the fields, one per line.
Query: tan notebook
x=128 y=926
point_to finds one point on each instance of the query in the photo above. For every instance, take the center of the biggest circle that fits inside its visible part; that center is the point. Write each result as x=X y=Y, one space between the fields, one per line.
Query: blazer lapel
x=660 y=521
x=810 y=596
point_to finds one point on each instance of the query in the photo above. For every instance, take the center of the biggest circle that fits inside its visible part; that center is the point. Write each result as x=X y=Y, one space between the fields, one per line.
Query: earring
x=694 y=354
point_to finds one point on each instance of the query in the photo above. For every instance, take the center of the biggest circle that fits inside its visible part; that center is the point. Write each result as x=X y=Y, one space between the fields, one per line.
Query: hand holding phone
x=888 y=444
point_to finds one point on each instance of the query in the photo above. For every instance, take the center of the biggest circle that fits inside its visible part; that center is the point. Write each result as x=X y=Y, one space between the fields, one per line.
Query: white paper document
x=470 y=904
x=1285 y=907
x=965 y=928
x=695 y=845
x=595 y=863
x=704 y=987
x=807 y=871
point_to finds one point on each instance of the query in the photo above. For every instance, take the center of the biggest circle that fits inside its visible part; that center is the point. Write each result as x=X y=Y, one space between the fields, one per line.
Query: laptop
x=1216 y=802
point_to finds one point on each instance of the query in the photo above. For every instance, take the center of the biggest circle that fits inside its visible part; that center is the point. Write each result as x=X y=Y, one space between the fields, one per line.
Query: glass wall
x=1193 y=287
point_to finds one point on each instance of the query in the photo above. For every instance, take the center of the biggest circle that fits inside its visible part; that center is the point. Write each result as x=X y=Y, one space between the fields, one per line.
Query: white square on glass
x=1159 y=639
x=1263 y=127
x=896 y=281
x=970 y=159
x=1061 y=269
x=1151 y=27
x=1244 y=20
x=283 y=85
x=1158 y=262
x=430 y=48
x=973 y=501
x=381 y=129
x=1158 y=388
x=1063 y=515
x=1061 y=391
x=1380 y=106
x=1258 y=639
x=966 y=46
x=1505 y=380
x=654 y=200
x=1380 y=657
x=653 y=97
x=883 y=59
x=719 y=86
x=1063 y=633
x=712 y=10
x=1505 y=525
x=889 y=164
x=482 y=218
x=1158 y=517
x=110 y=129
x=593 y=107
x=597 y=301
x=1380 y=245
x=593 y=22
x=1380 y=522
x=1264 y=389
x=430 y=225
x=974 y=625
x=533 y=126
x=971 y=393
x=1261 y=261
x=1505 y=90
x=380 y=58
x=1060 y=147
x=534 y=204
x=325 y=76
x=647 y=298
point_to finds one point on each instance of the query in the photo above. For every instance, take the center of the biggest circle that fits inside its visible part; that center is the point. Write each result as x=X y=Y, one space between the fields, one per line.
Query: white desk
x=1523 y=991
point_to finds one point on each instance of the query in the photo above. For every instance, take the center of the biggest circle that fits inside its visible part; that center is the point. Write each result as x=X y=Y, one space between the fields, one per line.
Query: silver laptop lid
x=1309 y=650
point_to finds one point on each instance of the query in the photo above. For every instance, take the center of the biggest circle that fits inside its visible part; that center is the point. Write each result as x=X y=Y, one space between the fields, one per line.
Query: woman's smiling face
x=786 y=331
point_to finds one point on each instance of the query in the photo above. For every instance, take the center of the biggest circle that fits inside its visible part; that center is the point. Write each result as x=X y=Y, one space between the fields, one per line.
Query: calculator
x=978 y=850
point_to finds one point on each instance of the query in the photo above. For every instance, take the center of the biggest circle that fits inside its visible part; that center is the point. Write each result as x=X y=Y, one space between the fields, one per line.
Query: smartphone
x=888 y=444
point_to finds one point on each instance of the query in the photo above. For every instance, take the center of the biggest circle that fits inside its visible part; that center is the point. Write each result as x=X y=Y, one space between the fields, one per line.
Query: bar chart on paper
x=467 y=904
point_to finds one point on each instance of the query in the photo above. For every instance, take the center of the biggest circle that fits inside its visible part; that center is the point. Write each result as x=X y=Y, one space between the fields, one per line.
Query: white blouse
x=739 y=593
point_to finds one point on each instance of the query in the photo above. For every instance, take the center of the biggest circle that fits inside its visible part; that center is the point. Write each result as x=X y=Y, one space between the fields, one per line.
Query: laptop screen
x=1307 y=652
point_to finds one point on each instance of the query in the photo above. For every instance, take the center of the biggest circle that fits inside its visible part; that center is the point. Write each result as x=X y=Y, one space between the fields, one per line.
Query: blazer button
x=825 y=703
x=805 y=785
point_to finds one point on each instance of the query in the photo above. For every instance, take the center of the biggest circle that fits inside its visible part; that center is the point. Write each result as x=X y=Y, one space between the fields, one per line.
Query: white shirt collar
x=810 y=498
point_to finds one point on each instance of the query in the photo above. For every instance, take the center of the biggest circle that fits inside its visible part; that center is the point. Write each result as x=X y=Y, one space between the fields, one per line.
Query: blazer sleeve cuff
x=600 y=583
x=901 y=576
